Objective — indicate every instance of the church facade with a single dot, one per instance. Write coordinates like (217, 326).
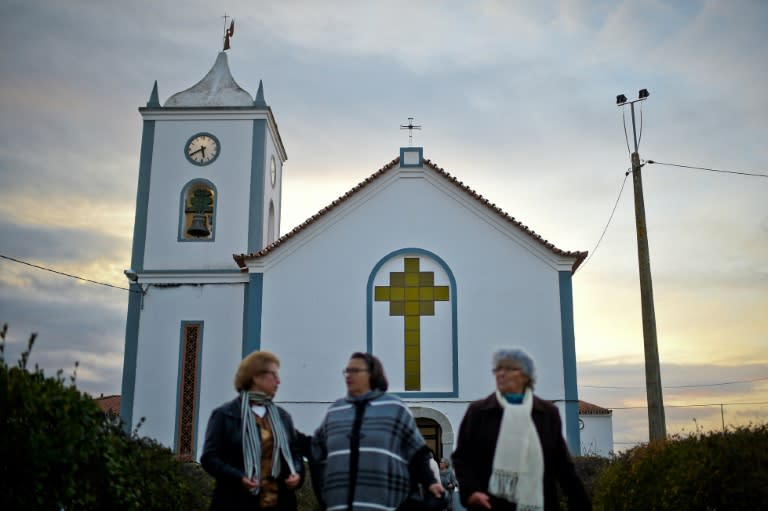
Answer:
(410, 265)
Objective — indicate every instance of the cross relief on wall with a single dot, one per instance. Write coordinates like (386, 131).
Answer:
(412, 294)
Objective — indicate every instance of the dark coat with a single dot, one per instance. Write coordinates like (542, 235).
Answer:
(223, 459)
(473, 458)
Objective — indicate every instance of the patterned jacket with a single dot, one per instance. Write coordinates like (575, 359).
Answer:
(362, 452)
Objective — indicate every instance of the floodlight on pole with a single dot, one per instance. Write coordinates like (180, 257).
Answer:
(656, 423)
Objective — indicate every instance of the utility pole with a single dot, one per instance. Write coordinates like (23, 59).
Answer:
(657, 427)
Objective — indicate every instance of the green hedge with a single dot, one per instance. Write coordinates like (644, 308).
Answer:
(60, 451)
(715, 471)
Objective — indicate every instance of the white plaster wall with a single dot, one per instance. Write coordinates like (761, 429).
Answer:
(219, 307)
(597, 435)
(171, 171)
(314, 310)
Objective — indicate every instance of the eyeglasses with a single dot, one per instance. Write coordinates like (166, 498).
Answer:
(506, 369)
(353, 370)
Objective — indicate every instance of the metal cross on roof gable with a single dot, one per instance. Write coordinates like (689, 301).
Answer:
(410, 127)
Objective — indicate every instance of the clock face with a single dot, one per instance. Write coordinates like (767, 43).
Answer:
(202, 149)
(273, 171)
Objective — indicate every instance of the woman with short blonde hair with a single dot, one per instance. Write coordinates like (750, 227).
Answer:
(252, 365)
(251, 445)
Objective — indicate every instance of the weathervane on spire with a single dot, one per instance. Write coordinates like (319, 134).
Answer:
(228, 32)
(410, 127)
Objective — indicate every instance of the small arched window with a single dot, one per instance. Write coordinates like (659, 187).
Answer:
(198, 207)
(271, 223)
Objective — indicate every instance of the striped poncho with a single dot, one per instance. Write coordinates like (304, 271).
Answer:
(368, 471)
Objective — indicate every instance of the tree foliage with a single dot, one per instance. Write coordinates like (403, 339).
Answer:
(60, 451)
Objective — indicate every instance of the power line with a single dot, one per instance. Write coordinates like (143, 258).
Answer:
(626, 136)
(693, 405)
(640, 134)
(753, 174)
(609, 220)
(680, 386)
(64, 274)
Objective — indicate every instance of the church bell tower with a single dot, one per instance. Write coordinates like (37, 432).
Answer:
(209, 186)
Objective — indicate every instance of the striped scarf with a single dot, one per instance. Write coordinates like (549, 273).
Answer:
(252, 438)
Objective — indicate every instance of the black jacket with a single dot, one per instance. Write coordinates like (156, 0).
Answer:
(473, 457)
(223, 459)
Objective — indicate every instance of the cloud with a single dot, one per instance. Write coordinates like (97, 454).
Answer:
(74, 322)
(516, 100)
(696, 396)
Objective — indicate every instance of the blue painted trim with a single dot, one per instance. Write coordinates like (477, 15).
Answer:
(569, 364)
(130, 354)
(183, 207)
(256, 203)
(154, 99)
(137, 264)
(252, 314)
(198, 377)
(419, 150)
(142, 196)
(259, 102)
(454, 314)
(204, 134)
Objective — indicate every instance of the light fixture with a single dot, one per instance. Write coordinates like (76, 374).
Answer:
(621, 99)
(643, 93)
(131, 275)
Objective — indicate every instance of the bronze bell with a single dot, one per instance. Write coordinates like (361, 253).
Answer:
(199, 227)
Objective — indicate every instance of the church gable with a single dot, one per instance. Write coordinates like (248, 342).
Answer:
(450, 185)
(414, 266)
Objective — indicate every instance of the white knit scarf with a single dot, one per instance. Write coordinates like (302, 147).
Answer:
(518, 463)
(252, 438)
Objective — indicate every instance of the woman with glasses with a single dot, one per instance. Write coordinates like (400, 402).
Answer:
(368, 446)
(511, 450)
(250, 443)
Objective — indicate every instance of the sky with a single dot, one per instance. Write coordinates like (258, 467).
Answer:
(516, 99)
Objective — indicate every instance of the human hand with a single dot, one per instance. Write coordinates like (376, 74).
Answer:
(249, 484)
(437, 490)
(479, 499)
(292, 481)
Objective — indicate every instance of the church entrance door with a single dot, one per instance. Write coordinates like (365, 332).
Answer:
(433, 435)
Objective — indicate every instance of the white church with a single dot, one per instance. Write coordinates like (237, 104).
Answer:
(411, 265)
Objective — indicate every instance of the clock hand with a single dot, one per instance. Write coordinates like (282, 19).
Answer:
(202, 149)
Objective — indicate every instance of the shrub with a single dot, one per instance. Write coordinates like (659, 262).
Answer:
(588, 469)
(719, 470)
(59, 450)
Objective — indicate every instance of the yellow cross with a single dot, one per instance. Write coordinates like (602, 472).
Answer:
(412, 294)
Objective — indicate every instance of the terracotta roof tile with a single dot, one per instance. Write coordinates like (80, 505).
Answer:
(590, 409)
(428, 164)
(109, 404)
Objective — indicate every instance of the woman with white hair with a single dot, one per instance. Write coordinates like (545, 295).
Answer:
(511, 450)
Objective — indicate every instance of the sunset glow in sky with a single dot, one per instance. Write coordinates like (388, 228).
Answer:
(516, 99)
